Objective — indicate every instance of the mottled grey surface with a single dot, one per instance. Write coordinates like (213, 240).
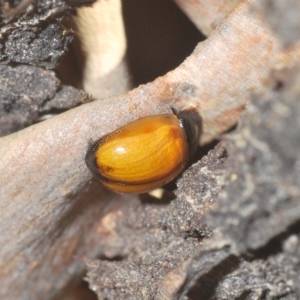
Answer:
(150, 237)
(31, 32)
(27, 91)
(257, 216)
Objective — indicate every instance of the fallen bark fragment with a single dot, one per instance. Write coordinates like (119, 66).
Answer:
(195, 197)
(31, 32)
(24, 89)
(257, 216)
(145, 239)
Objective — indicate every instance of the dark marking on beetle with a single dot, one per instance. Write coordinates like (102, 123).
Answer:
(150, 129)
(174, 133)
(106, 169)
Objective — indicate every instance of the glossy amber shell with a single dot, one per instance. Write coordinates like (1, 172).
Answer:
(140, 156)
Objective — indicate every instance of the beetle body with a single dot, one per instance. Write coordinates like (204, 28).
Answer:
(141, 155)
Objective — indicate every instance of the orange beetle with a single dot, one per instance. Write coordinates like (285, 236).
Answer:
(146, 153)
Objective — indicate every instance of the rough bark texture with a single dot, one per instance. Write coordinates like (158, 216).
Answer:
(257, 213)
(31, 32)
(233, 230)
(153, 238)
(27, 91)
